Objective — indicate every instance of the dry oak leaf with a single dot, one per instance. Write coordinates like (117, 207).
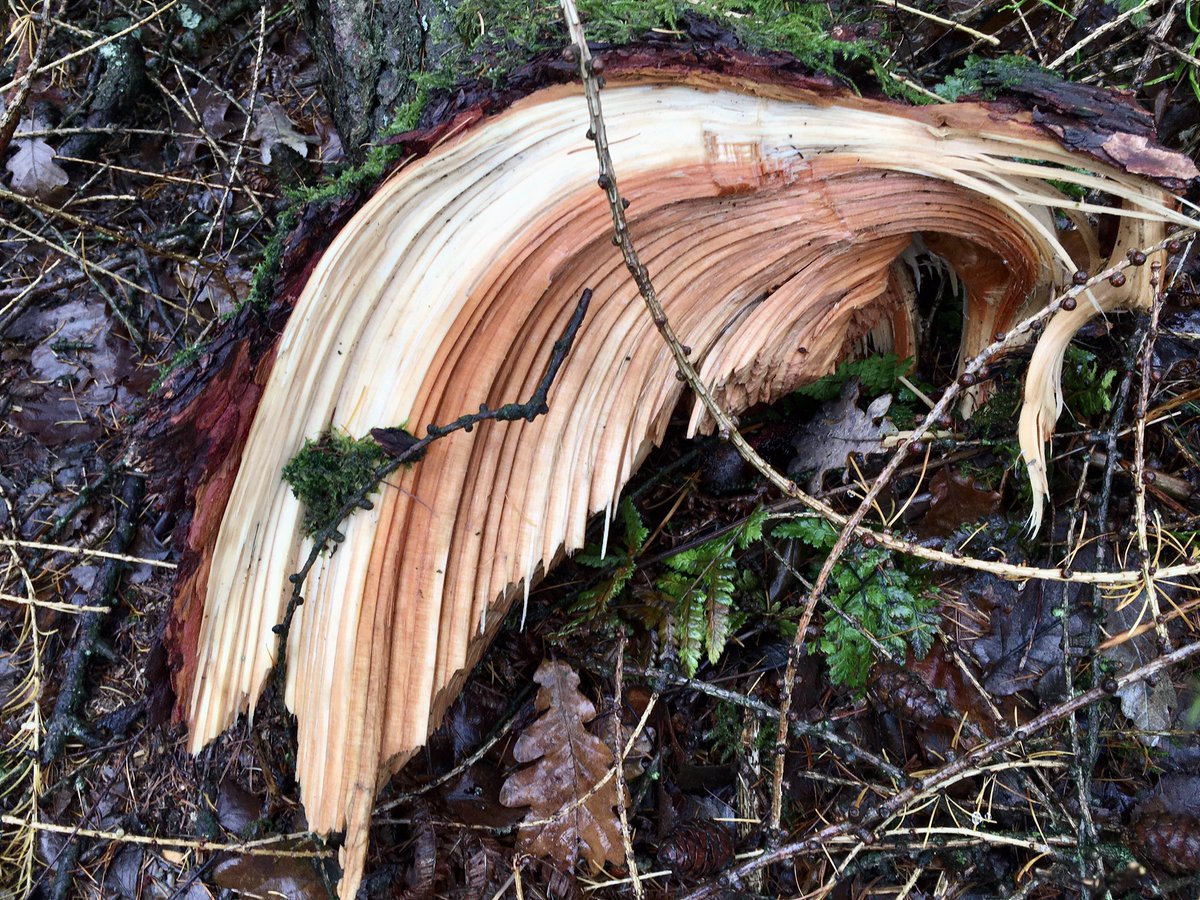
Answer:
(566, 817)
(273, 127)
(838, 430)
(34, 171)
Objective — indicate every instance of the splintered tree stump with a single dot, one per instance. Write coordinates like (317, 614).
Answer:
(776, 213)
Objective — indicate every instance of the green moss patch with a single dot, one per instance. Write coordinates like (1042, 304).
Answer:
(329, 472)
(490, 38)
(987, 78)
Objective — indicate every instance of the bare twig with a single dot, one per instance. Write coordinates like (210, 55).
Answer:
(23, 779)
(86, 552)
(234, 167)
(65, 723)
(1181, 55)
(949, 23)
(1103, 29)
(822, 731)
(619, 767)
(86, 226)
(267, 846)
(1140, 474)
(95, 45)
(462, 767)
(1161, 30)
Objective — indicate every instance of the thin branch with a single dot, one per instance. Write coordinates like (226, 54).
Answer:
(234, 168)
(263, 847)
(1140, 475)
(949, 23)
(1161, 30)
(86, 552)
(822, 732)
(458, 770)
(86, 225)
(639, 891)
(1092, 35)
(65, 723)
(107, 39)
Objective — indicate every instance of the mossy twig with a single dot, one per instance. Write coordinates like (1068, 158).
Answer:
(65, 721)
(535, 406)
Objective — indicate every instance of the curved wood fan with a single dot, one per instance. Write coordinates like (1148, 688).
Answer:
(776, 219)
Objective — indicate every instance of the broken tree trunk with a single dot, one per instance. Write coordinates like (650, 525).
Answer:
(775, 213)
(366, 50)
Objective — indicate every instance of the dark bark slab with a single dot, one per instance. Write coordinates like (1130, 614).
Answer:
(366, 50)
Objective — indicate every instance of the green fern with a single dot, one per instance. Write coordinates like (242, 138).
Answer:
(592, 604)
(876, 375)
(702, 583)
(882, 598)
(1087, 389)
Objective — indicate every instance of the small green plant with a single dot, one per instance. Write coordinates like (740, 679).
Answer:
(876, 375)
(328, 472)
(986, 78)
(880, 597)
(593, 603)
(490, 38)
(702, 584)
(727, 736)
(996, 419)
(1087, 386)
(1193, 23)
(1138, 19)
(181, 360)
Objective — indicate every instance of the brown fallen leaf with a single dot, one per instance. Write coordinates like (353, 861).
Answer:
(567, 815)
(273, 127)
(956, 500)
(838, 430)
(265, 876)
(34, 171)
(213, 107)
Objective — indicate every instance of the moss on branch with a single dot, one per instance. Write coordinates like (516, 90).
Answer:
(327, 472)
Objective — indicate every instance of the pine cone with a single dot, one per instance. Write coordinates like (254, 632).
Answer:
(1171, 840)
(697, 847)
(907, 696)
